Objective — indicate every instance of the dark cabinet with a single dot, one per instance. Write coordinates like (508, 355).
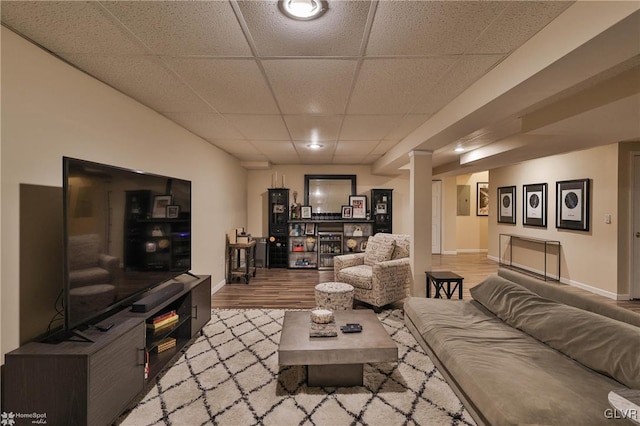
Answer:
(91, 383)
(382, 210)
(278, 227)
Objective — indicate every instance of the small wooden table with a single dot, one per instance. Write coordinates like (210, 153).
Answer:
(626, 402)
(439, 279)
(235, 268)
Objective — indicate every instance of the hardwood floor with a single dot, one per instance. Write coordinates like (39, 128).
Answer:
(294, 289)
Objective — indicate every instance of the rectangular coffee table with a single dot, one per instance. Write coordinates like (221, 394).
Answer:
(335, 361)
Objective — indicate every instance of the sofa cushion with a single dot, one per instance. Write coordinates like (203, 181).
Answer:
(603, 344)
(379, 249)
(510, 377)
(358, 276)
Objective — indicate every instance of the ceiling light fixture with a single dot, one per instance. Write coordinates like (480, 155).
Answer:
(303, 10)
(459, 149)
(314, 145)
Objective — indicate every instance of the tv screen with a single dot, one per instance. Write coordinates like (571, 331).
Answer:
(125, 232)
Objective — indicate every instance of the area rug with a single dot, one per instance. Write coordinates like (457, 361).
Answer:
(230, 376)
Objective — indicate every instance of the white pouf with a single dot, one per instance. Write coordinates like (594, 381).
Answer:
(334, 296)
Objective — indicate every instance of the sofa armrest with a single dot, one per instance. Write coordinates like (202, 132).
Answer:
(110, 263)
(347, 260)
(393, 272)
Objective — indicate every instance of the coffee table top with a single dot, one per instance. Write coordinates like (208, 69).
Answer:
(373, 344)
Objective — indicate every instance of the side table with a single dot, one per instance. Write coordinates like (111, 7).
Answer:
(235, 268)
(439, 279)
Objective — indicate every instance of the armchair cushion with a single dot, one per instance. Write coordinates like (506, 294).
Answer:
(358, 276)
(379, 249)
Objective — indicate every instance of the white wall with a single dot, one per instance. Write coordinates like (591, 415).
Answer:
(50, 110)
(261, 180)
(589, 259)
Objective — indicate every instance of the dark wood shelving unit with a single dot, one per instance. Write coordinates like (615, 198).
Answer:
(91, 383)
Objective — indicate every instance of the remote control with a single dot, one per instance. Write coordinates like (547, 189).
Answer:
(105, 327)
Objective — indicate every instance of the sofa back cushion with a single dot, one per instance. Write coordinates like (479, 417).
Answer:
(379, 249)
(601, 343)
(559, 294)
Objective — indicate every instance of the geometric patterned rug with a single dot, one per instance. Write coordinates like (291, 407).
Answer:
(230, 376)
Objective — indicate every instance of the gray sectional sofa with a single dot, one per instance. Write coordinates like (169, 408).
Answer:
(528, 352)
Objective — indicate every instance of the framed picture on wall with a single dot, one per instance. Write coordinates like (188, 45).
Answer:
(482, 202)
(160, 203)
(534, 205)
(572, 204)
(507, 204)
(358, 205)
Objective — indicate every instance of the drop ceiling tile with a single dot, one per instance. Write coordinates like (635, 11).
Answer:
(183, 27)
(361, 148)
(143, 78)
(520, 21)
(69, 27)
(368, 127)
(256, 127)
(285, 159)
(339, 32)
(429, 27)
(463, 74)
(274, 148)
(370, 159)
(251, 157)
(317, 159)
(349, 159)
(314, 127)
(237, 147)
(209, 126)
(229, 85)
(393, 86)
(311, 86)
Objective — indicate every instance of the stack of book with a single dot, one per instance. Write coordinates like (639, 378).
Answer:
(166, 343)
(163, 322)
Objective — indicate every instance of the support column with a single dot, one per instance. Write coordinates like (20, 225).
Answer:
(420, 218)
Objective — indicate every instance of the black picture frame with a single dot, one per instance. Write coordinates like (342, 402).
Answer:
(310, 229)
(534, 205)
(160, 203)
(358, 205)
(305, 212)
(173, 211)
(506, 212)
(346, 212)
(573, 204)
(482, 199)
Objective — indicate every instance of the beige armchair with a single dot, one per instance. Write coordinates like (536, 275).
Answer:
(87, 265)
(382, 274)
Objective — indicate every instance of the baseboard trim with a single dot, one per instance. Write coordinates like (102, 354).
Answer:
(218, 286)
(450, 252)
(472, 251)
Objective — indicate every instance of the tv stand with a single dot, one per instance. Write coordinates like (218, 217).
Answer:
(105, 375)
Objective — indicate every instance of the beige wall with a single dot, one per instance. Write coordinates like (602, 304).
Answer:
(471, 231)
(625, 215)
(259, 181)
(589, 259)
(50, 110)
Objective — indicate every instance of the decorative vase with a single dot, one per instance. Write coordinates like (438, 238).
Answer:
(311, 246)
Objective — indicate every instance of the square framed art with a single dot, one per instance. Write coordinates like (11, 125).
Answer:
(358, 205)
(572, 204)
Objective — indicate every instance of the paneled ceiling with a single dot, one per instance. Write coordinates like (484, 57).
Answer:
(367, 80)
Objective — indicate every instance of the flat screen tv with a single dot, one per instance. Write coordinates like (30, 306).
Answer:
(125, 232)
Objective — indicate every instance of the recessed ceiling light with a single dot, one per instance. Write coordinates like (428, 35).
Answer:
(314, 145)
(459, 149)
(303, 10)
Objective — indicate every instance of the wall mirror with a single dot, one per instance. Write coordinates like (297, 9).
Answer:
(328, 193)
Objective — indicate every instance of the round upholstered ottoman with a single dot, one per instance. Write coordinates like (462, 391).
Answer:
(334, 296)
